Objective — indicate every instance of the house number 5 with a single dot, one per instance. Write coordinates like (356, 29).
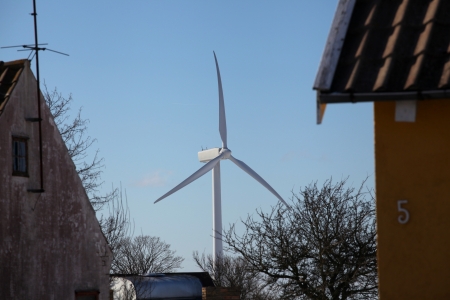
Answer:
(403, 218)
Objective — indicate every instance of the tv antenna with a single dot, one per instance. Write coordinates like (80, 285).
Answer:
(34, 48)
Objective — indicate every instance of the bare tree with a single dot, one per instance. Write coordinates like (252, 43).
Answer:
(235, 272)
(145, 254)
(117, 224)
(322, 248)
(133, 256)
(78, 143)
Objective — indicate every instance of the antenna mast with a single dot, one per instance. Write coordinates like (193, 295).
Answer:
(41, 190)
(36, 50)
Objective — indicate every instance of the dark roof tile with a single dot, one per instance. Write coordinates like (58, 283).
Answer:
(394, 46)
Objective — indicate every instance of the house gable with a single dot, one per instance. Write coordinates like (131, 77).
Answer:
(52, 244)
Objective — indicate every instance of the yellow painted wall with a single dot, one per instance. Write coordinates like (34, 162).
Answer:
(412, 162)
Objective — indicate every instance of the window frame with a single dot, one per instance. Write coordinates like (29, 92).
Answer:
(20, 139)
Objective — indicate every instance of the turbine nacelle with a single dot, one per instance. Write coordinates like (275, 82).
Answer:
(208, 155)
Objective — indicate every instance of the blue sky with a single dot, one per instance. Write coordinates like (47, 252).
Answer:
(144, 73)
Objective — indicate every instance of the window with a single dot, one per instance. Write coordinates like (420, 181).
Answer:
(86, 295)
(20, 156)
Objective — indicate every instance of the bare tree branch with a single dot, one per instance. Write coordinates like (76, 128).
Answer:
(78, 143)
(117, 225)
(235, 272)
(145, 254)
(136, 255)
(324, 248)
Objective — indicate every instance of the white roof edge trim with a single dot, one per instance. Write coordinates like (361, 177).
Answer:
(334, 44)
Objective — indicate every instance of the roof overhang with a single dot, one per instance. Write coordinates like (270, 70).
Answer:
(332, 51)
(382, 50)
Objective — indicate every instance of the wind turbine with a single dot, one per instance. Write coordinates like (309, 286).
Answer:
(212, 158)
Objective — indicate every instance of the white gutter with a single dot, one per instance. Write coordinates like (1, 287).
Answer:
(372, 97)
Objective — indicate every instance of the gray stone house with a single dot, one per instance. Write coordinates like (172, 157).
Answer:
(51, 245)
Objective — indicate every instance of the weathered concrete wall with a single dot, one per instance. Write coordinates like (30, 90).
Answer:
(51, 243)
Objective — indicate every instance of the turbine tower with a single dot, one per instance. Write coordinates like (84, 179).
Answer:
(212, 158)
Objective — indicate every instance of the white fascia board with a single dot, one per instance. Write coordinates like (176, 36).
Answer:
(334, 44)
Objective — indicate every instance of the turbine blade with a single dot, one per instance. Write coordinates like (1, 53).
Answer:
(199, 173)
(222, 118)
(258, 178)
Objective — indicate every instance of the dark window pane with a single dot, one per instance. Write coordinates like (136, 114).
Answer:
(19, 156)
(22, 165)
(22, 149)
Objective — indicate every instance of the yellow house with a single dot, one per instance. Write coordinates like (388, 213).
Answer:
(397, 55)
